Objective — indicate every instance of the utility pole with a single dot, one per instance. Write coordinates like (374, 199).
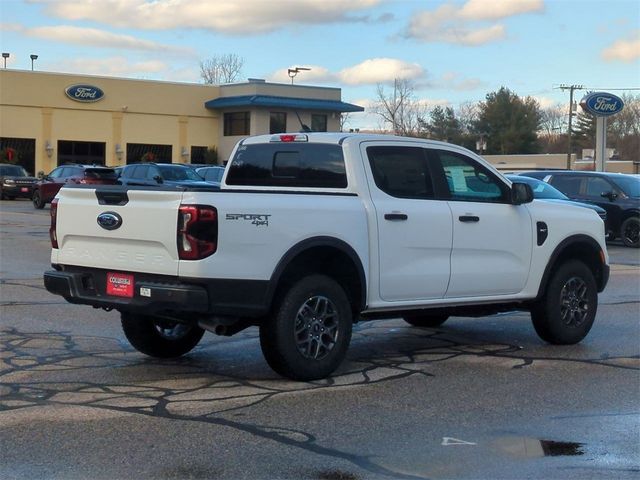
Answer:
(571, 88)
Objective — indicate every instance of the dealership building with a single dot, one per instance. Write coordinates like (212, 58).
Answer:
(49, 119)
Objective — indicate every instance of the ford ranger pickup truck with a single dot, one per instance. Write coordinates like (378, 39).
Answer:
(311, 232)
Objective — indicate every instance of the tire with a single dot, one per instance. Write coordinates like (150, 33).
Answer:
(37, 201)
(630, 232)
(565, 314)
(160, 338)
(425, 319)
(309, 332)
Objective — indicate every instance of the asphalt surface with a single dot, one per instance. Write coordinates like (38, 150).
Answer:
(476, 398)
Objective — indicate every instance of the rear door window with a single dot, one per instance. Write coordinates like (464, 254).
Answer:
(400, 171)
(567, 184)
(288, 165)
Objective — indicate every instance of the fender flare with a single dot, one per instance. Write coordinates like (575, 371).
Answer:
(561, 248)
(313, 242)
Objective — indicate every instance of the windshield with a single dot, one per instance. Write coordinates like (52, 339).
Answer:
(174, 172)
(13, 170)
(540, 189)
(628, 184)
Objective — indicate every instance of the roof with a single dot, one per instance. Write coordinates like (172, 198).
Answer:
(282, 102)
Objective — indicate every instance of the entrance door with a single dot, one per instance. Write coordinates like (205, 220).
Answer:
(414, 230)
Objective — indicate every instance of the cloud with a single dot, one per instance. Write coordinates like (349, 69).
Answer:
(546, 102)
(453, 81)
(627, 50)
(368, 72)
(113, 67)
(93, 37)
(245, 17)
(493, 10)
(380, 70)
(458, 25)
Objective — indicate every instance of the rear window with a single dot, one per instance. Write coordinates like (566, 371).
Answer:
(288, 165)
(100, 173)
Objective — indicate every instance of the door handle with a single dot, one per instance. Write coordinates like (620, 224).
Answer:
(395, 216)
(468, 218)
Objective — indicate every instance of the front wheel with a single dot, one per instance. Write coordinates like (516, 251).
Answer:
(565, 314)
(37, 200)
(158, 337)
(309, 332)
(630, 232)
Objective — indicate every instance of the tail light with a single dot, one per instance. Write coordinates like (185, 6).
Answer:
(197, 231)
(52, 229)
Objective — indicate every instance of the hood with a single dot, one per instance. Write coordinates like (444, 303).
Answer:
(595, 208)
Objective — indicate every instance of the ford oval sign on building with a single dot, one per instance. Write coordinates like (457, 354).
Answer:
(84, 93)
(602, 104)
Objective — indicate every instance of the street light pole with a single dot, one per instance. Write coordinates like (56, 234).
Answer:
(292, 72)
(5, 55)
(33, 57)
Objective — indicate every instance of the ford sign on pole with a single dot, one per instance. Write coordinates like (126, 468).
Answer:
(84, 93)
(601, 105)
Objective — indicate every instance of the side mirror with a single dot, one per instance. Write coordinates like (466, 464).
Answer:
(521, 193)
(158, 179)
(41, 175)
(610, 195)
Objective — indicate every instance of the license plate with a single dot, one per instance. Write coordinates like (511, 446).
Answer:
(24, 189)
(120, 284)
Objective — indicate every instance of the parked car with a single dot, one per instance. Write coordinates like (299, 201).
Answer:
(617, 193)
(154, 174)
(544, 191)
(15, 182)
(211, 174)
(47, 187)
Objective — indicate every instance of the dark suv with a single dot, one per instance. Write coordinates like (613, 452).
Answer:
(154, 174)
(617, 193)
(47, 187)
(15, 182)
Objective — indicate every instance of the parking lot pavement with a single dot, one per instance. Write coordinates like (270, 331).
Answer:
(476, 398)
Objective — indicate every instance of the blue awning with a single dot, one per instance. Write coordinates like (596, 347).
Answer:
(282, 102)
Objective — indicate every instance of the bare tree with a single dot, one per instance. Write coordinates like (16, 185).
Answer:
(344, 120)
(468, 113)
(219, 69)
(400, 110)
(553, 120)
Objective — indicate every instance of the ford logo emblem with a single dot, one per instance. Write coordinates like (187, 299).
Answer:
(602, 104)
(84, 93)
(109, 220)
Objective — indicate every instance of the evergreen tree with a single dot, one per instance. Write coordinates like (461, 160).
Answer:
(509, 122)
(444, 125)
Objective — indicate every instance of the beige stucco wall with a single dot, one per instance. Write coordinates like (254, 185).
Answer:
(34, 105)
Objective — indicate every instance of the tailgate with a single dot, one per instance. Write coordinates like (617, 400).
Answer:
(144, 242)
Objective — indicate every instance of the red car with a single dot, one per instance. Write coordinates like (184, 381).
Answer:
(47, 188)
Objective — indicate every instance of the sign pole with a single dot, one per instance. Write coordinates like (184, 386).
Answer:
(601, 144)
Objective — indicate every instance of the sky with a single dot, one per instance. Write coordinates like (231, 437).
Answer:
(452, 51)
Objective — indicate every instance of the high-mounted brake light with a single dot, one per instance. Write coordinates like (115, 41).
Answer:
(290, 137)
(52, 228)
(197, 231)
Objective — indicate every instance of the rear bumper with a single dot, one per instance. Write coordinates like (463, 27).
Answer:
(83, 288)
(156, 294)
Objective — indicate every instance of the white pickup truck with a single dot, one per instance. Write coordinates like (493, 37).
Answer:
(312, 232)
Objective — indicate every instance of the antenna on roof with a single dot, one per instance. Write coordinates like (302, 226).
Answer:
(304, 128)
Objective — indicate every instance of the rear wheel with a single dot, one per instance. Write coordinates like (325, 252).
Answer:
(630, 232)
(308, 335)
(158, 337)
(425, 319)
(566, 313)
(37, 200)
